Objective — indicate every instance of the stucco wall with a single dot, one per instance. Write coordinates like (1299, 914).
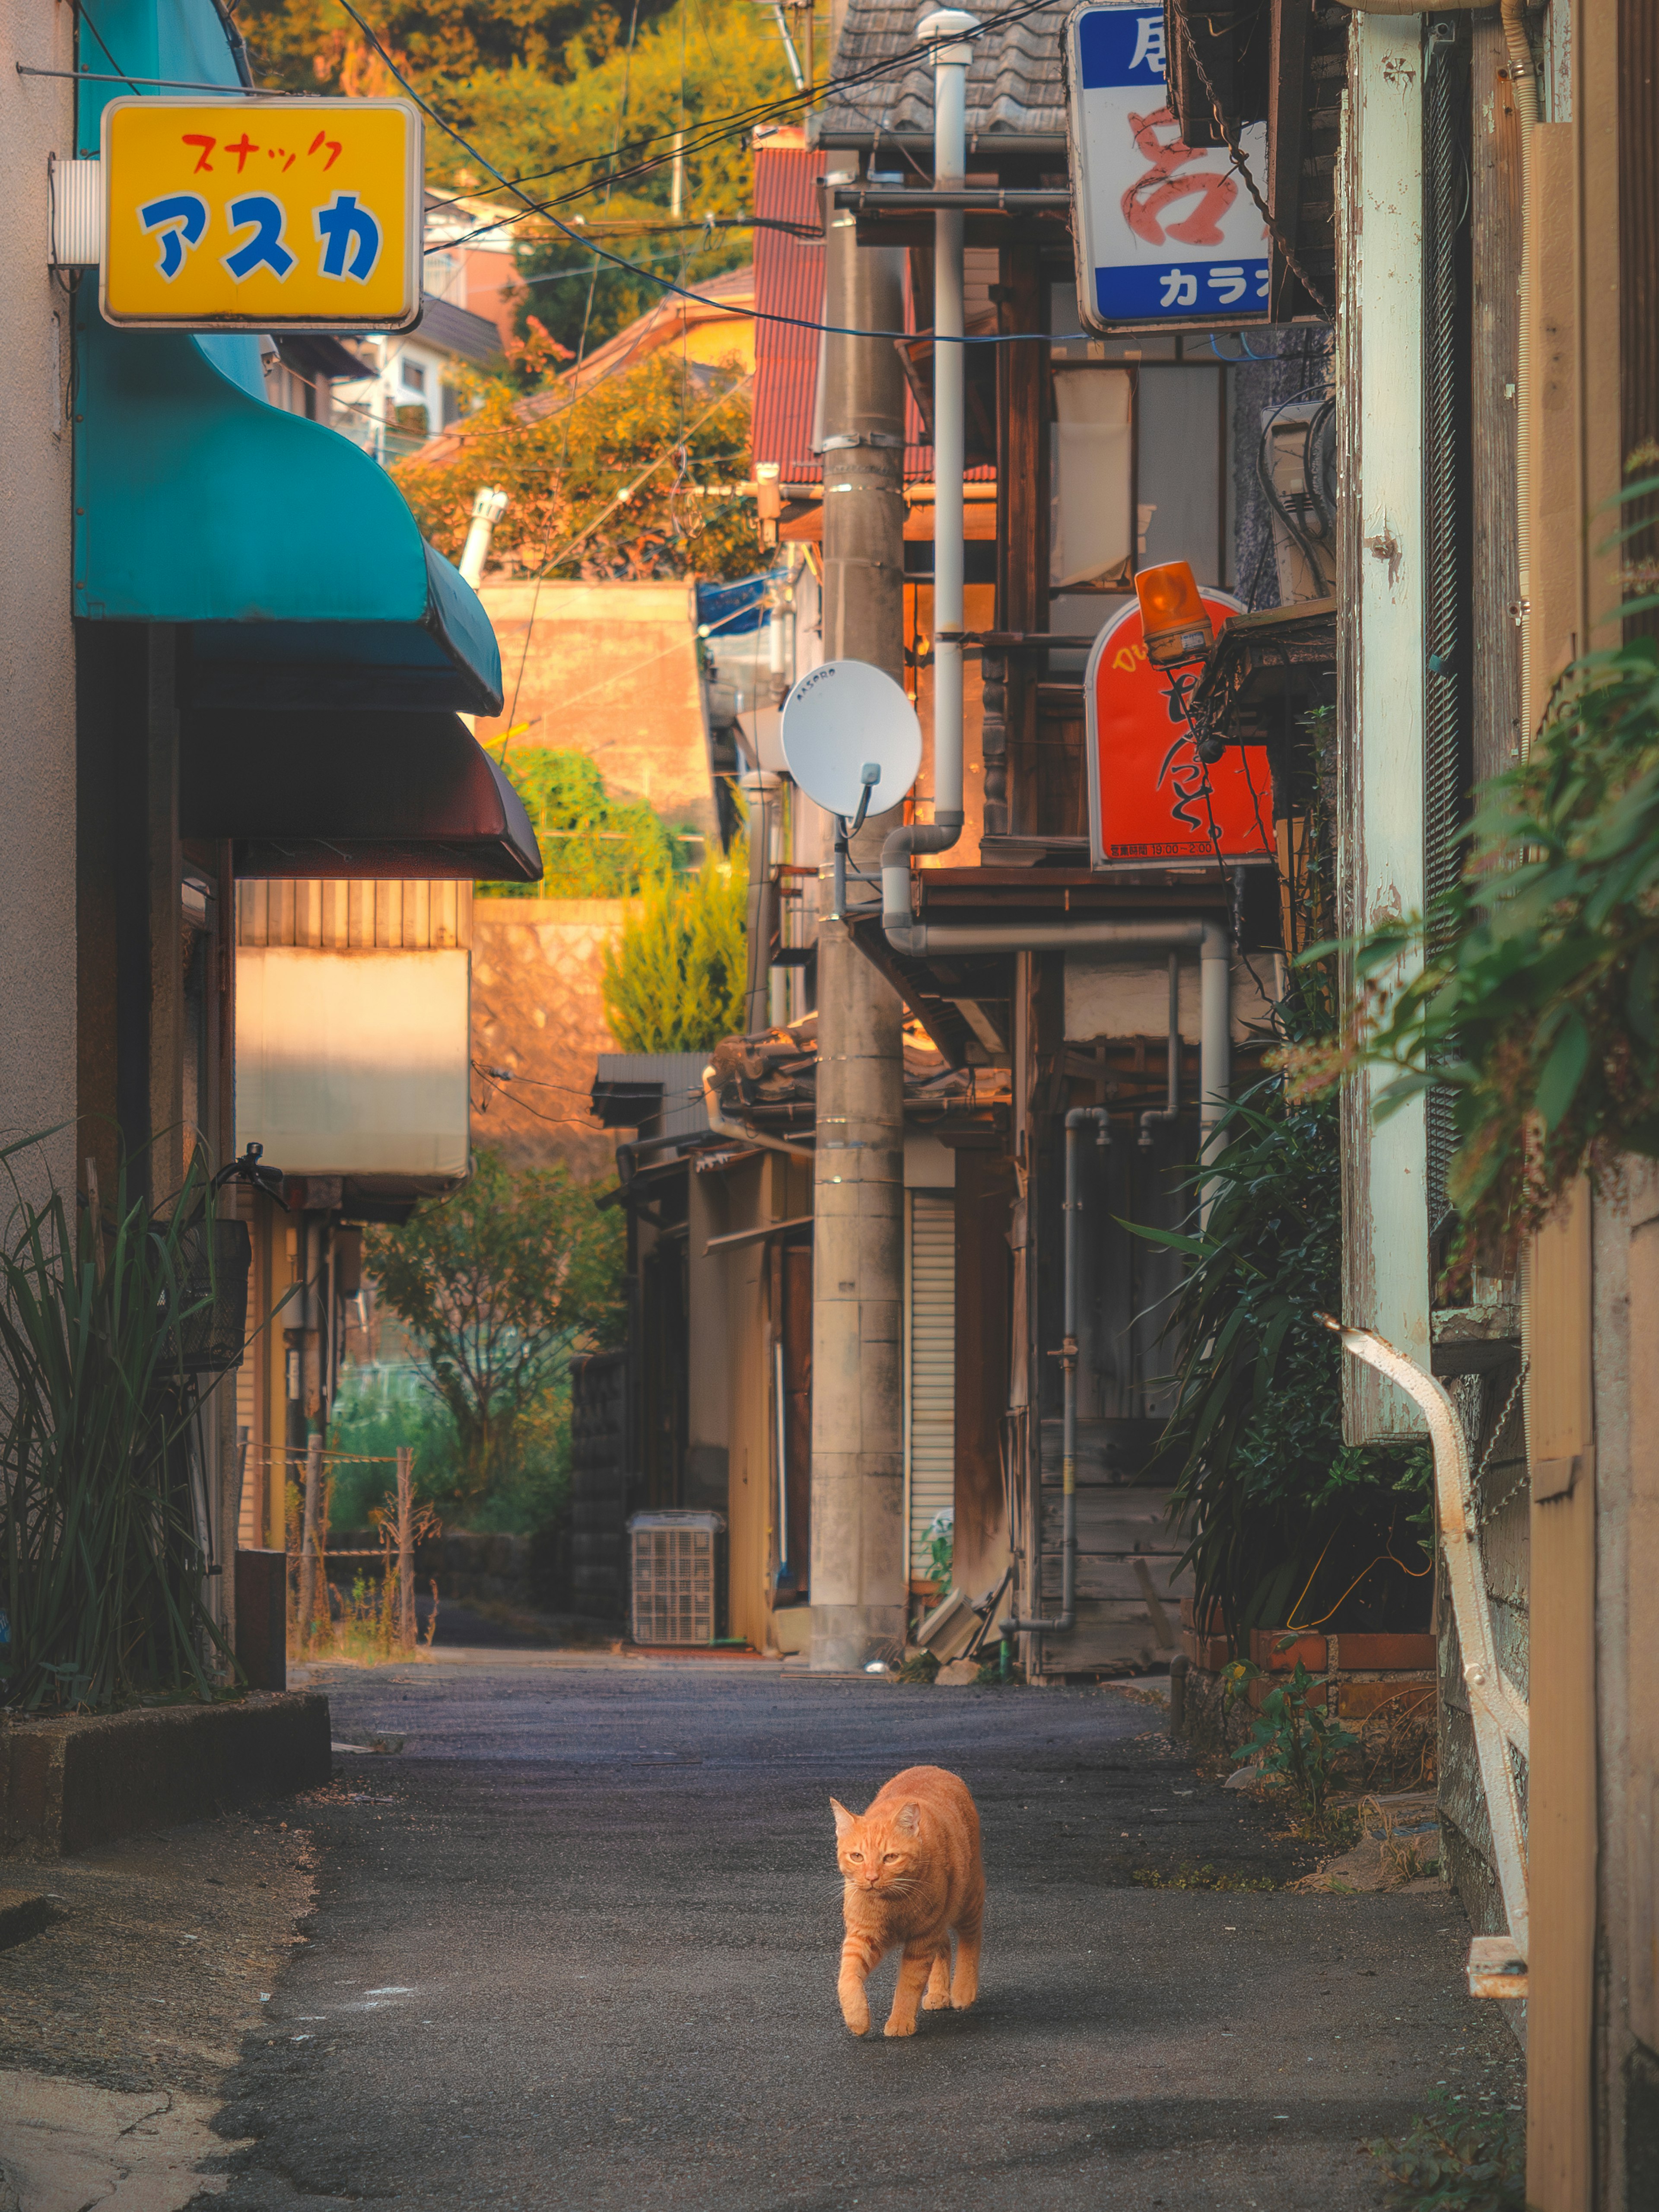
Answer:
(611, 671)
(537, 1010)
(37, 669)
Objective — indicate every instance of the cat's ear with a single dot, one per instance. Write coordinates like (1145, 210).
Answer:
(843, 1819)
(909, 1817)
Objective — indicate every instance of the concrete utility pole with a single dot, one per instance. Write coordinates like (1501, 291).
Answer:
(860, 1567)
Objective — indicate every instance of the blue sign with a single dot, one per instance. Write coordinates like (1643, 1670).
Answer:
(1167, 231)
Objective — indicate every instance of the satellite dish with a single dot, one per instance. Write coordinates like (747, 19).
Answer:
(842, 721)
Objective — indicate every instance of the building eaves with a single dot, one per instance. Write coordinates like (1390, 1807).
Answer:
(459, 331)
(1014, 83)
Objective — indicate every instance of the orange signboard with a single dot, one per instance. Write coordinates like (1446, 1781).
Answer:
(1151, 798)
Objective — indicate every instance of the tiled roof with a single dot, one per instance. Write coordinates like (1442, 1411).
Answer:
(1013, 79)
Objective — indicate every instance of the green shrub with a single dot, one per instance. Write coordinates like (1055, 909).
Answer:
(1288, 1523)
(1453, 2159)
(593, 847)
(1291, 1736)
(102, 1508)
(1532, 995)
(678, 980)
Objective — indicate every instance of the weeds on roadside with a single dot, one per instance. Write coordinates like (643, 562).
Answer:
(1454, 2160)
(1189, 1874)
(1291, 1740)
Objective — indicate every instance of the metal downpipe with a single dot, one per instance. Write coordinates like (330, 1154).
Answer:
(1066, 1619)
(918, 938)
(950, 167)
(1170, 1109)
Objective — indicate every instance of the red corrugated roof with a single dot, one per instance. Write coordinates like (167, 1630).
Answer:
(789, 281)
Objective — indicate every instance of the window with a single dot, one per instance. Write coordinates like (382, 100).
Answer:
(414, 376)
(1141, 454)
(1092, 527)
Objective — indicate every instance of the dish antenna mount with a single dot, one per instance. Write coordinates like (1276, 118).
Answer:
(851, 742)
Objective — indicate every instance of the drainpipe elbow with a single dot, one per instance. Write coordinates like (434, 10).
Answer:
(903, 932)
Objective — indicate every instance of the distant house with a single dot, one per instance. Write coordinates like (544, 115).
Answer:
(409, 394)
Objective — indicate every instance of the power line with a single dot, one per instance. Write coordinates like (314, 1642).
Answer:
(720, 127)
(621, 261)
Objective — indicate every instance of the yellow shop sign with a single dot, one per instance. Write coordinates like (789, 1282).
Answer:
(262, 215)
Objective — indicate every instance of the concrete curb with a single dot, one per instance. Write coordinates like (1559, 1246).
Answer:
(69, 1784)
(23, 1913)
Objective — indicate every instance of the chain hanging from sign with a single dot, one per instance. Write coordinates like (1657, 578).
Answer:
(254, 215)
(1165, 231)
(1151, 798)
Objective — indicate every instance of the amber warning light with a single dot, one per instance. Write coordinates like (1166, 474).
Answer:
(1173, 616)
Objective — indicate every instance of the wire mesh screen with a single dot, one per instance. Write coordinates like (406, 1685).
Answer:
(1446, 772)
(674, 1562)
(211, 1297)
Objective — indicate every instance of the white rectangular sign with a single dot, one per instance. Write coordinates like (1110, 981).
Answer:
(1165, 232)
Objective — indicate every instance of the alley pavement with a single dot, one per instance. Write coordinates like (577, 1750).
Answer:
(573, 1943)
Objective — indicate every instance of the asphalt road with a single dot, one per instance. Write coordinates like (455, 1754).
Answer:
(575, 1944)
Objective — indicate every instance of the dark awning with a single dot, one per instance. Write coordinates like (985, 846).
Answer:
(367, 795)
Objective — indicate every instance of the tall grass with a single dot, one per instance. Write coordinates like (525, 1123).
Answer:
(105, 1518)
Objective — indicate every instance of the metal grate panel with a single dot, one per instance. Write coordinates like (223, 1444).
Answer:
(674, 1562)
(932, 1377)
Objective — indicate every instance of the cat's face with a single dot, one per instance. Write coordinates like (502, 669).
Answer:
(877, 1855)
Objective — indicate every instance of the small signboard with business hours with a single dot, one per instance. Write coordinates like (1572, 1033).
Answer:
(1166, 232)
(262, 215)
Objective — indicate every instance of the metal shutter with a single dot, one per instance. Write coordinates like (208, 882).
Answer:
(931, 1289)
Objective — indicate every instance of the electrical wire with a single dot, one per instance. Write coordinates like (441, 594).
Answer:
(621, 261)
(717, 129)
(571, 545)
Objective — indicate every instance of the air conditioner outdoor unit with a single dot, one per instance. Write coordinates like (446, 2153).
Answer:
(675, 1557)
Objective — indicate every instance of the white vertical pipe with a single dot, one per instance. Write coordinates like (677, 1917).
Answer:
(489, 506)
(950, 167)
(1380, 851)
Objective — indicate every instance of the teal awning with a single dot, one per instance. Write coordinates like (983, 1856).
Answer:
(288, 555)
(288, 558)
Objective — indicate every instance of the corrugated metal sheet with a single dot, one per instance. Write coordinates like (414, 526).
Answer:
(1013, 79)
(930, 1288)
(677, 1109)
(353, 915)
(788, 281)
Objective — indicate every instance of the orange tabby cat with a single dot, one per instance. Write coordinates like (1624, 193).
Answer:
(913, 1877)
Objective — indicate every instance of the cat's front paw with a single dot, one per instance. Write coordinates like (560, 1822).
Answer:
(857, 2018)
(900, 2027)
(940, 2002)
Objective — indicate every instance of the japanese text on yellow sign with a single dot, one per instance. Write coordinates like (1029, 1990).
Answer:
(262, 215)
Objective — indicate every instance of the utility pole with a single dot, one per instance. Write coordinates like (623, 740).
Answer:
(860, 1565)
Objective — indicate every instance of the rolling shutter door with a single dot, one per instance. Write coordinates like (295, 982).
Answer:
(931, 1285)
